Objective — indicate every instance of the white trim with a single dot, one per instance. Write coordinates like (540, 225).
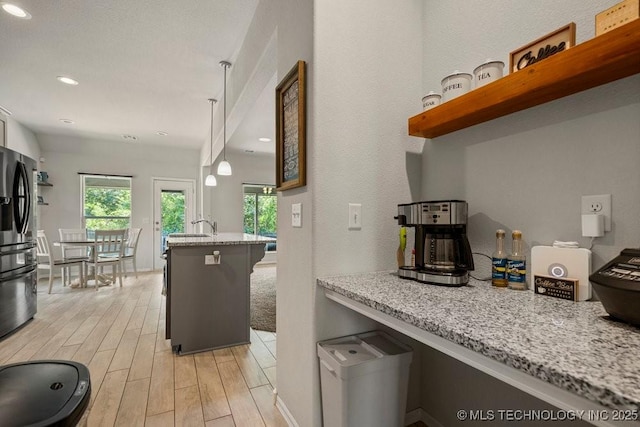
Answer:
(291, 422)
(545, 391)
(429, 420)
(413, 416)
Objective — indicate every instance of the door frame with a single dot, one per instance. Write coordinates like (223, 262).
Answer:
(179, 184)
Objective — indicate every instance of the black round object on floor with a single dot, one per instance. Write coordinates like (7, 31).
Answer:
(43, 393)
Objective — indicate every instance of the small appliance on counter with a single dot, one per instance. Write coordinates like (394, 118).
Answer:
(562, 263)
(442, 252)
(617, 284)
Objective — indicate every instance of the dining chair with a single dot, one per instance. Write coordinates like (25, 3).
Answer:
(47, 262)
(130, 249)
(70, 252)
(108, 250)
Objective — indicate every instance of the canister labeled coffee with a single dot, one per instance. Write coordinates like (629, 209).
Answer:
(455, 84)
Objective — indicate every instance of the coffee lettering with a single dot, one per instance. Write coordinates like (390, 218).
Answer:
(544, 52)
(455, 86)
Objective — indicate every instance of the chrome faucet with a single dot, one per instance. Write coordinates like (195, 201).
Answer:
(214, 226)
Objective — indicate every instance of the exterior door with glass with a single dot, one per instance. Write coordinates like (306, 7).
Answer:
(173, 211)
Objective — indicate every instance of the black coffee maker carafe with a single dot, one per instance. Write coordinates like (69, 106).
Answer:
(442, 252)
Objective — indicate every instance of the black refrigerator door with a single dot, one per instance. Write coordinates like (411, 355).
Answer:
(18, 300)
(17, 223)
(21, 198)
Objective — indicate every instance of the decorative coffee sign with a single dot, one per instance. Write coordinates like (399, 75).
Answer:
(558, 287)
(557, 41)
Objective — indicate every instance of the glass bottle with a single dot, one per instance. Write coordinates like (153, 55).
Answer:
(517, 264)
(499, 262)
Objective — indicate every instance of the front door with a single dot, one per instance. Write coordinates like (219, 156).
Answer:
(173, 211)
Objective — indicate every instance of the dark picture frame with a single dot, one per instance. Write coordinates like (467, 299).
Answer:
(291, 129)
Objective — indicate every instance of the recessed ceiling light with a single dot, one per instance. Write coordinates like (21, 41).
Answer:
(67, 121)
(67, 80)
(16, 11)
(264, 139)
(248, 151)
(130, 137)
(5, 111)
(161, 133)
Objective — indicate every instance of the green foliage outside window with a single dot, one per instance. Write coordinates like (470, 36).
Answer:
(107, 208)
(265, 207)
(172, 212)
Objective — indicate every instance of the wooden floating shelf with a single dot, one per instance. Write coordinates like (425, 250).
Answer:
(603, 59)
(45, 184)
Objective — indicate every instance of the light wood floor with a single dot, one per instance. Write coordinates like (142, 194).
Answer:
(136, 380)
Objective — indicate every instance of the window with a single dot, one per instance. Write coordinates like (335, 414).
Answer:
(106, 202)
(261, 211)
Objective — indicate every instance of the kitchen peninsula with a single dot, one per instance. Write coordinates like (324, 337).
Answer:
(569, 354)
(208, 286)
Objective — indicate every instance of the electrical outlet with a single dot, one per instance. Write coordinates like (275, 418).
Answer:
(355, 216)
(598, 204)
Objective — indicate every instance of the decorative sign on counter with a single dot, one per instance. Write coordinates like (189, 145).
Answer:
(291, 129)
(617, 15)
(557, 41)
(558, 287)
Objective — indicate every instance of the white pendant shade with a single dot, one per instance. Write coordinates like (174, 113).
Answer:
(224, 168)
(211, 181)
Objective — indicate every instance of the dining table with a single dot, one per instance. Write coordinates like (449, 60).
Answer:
(90, 244)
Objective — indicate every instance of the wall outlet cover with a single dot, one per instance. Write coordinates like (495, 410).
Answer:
(355, 216)
(296, 215)
(598, 204)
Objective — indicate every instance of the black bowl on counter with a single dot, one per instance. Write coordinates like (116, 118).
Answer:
(617, 285)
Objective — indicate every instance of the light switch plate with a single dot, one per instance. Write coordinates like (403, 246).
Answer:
(355, 216)
(296, 215)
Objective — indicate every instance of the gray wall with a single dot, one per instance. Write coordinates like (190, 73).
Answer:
(527, 170)
(66, 156)
(226, 200)
(22, 140)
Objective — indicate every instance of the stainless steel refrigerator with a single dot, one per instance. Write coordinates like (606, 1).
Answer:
(18, 262)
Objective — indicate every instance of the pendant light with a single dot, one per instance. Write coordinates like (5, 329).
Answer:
(224, 168)
(211, 180)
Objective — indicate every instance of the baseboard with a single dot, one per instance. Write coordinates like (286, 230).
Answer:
(429, 420)
(410, 417)
(291, 422)
(413, 416)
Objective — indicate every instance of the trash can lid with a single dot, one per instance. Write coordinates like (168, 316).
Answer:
(351, 353)
(41, 392)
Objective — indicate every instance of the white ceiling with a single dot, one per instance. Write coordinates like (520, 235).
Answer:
(143, 66)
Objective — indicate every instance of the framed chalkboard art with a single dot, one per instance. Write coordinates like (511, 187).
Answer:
(291, 130)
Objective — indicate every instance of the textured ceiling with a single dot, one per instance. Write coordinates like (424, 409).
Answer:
(143, 66)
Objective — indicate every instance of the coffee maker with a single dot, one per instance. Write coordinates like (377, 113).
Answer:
(442, 252)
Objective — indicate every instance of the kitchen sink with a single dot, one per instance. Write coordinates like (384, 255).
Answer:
(189, 235)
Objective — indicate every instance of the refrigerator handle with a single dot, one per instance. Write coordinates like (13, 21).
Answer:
(22, 199)
(19, 276)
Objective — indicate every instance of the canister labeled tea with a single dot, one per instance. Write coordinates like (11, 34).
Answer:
(488, 72)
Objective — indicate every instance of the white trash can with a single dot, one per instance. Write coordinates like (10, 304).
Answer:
(364, 380)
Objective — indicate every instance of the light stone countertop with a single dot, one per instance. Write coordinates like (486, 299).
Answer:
(196, 239)
(572, 345)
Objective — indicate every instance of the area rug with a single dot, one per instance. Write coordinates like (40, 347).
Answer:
(263, 298)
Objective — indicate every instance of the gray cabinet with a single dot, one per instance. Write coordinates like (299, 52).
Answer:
(208, 305)
(3, 130)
